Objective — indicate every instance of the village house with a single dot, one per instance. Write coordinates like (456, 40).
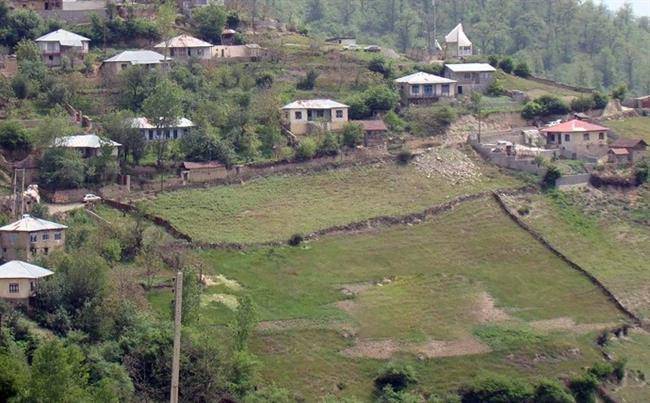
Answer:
(424, 87)
(110, 68)
(30, 237)
(59, 44)
(88, 145)
(577, 138)
(304, 117)
(150, 132)
(185, 47)
(457, 44)
(374, 132)
(251, 51)
(342, 40)
(470, 77)
(19, 280)
(36, 5)
(627, 151)
(203, 171)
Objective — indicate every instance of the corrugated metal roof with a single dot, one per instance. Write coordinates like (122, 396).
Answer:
(619, 151)
(29, 224)
(457, 35)
(315, 104)
(65, 38)
(143, 123)
(424, 78)
(83, 141)
(184, 41)
(138, 57)
(470, 67)
(574, 125)
(18, 269)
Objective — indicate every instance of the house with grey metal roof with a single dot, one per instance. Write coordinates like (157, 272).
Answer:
(307, 116)
(457, 44)
(111, 67)
(470, 76)
(19, 280)
(30, 237)
(88, 145)
(185, 47)
(61, 44)
(151, 132)
(423, 87)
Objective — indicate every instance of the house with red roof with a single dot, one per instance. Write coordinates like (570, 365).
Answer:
(577, 138)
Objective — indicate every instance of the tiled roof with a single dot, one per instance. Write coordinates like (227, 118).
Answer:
(574, 125)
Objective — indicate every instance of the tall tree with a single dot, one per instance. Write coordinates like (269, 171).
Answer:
(163, 108)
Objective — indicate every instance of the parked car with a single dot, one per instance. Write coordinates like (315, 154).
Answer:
(352, 47)
(90, 198)
(372, 48)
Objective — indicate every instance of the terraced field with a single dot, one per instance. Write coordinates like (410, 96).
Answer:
(275, 208)
(466, 282)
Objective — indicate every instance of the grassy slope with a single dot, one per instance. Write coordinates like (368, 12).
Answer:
(277, 207)
(631, 127)
(534, 89)
(635, 350)
(438, 269)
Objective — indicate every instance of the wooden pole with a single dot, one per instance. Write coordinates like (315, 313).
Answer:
(22, 196)
(178, 302)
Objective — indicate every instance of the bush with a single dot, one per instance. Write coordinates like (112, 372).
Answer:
(497, 388)
(378, 65)
(306, 149)
(531, 110)
(62, 168)
(584, 388)
(619, 92)
(330, 145)
(397, 377)
(550, 177)
(394, 122)
(493, 60)
(13, 137)
(582, 104)
(551, 392)
(552, 105)
(309, 81)
(522, 70)
(496, 89)
(209, 22)
(600, 100)
(430, 121)
(296, 239)
(352, 135)
(404, 157)
(619, 369)
(506, 65)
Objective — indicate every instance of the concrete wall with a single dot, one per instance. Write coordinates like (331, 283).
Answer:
(18, 245)
(572, 180)
(509, 161)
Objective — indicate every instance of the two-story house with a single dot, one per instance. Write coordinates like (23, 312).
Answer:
(30, 237)
(19, 280)
(185, 47)
(470, 76)
(151, 132)
(423, 87)
(577, 138)
(457, 44)
(304, 117)
(61, 43)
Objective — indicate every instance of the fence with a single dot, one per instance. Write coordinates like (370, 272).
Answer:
(561, 85)
(509, 161)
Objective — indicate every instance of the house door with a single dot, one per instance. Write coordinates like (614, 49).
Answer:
(460, 90)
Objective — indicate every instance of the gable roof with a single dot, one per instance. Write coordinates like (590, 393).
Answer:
(143, 123)
(457, 35)
(138, 57)
(65, 38)
(83, 141)
(372, 125)
(20, 269)
(423, 78)
(619, 151)
(29, 223)
(574, 125)
(628, 143)
(315, 104)
(184, 41)
(470, 67)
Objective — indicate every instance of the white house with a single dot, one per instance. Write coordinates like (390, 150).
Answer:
(61, 43)
(577, 138)
(315, 114)
(470, 76)
(184, 47)
(457, 44)
(150, 132)
(424, 87)
(18, 280)
(88, 145)
(148, 58)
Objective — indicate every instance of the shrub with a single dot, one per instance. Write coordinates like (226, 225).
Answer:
(531, 110)
(330, 145)
(552, 105)
(309, 81)
(582, 104)
(584, 388)
(641, 172)
(394, 122)
(493, 60)
(296, 239)
(62, 168)
(619, 92)
(352, 135)
(397, 377)
(378, 65)
(550, 177)
(522, 70)
(209, 22)
(430, 121)
(306, 149)
(381, 98)
(600, 100)
(13, 137)
(551, 392)
(619, 369)
(506, 65)
(497, 388)
(496, 89)
(404, 157)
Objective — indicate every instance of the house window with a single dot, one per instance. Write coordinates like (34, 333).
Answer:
(468, 76)
(428, 89)
(50, 58)
(601, 136)
(31, 286)
(13, 288)
(585, 137)
(46, 250)
(124, 66)
(171, 52)
(445, 89)
(175, 133)
(46, 237)
(551, 138)
(4, 250)
(298, 115)
(567, 138)
(57, 236)
(415, 89)
(339, 114)
(33, 237)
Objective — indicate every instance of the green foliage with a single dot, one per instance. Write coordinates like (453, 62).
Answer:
(192, 290)
(551, 392)
(404, 157)
(396, 376)
(582, 104)
(496, 89)
(306, 149)
(375, 99)
(352, 135)
(14, 138)
(584, 388)
(58, 373)
(134, 85)
(295, 240)
(531, 110)
(501, 338)
(20, 25)
(118, 127)
(600, 100)
(551, 176)
(62, 168)
(330, 145)
(394, 122)
(163, 107)
(619, 92)
(208, 22)
(522, 70)
(389, 395)
(545, 105)
(506, 64)
(270, 394)
(204, 145)
(493, 61)
(497, 389)
(14, 375)
(309, 81)
(379, 65)
(245, 321)
(431, 120)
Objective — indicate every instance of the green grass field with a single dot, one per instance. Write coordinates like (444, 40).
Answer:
(534, 89)
(635, 349)
(638, 127)
(275, 208)
(466, 282)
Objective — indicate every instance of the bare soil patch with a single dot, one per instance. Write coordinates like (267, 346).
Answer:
(487, 312)
(450, 163)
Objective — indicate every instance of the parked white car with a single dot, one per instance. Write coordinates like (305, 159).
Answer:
(352, 47)
(90, 198)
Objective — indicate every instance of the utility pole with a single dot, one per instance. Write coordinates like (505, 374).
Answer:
(22, 196)
(178, 303)
(13, 205)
